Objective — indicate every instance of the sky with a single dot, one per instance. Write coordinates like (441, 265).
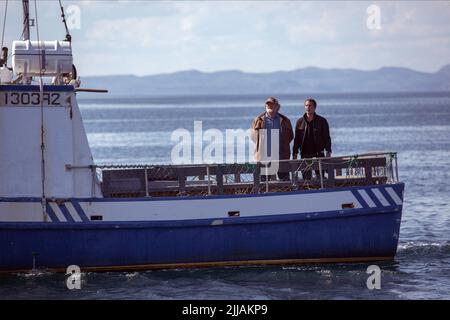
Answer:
(153, 37)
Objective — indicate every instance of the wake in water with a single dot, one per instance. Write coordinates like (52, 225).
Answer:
(426, 251)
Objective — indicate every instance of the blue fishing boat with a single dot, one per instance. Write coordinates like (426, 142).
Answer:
(58, 208)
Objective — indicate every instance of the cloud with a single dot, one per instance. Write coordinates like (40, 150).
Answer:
(325, 29)
(150, 32)
(148, 37)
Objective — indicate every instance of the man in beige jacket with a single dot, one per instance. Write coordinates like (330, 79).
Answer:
(270, 120)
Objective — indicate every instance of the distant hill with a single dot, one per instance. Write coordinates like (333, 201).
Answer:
(305, 80)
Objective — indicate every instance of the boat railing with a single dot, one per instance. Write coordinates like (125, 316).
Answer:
(246, 178)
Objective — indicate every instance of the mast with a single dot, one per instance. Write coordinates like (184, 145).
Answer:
(26, 19)
(26, 28)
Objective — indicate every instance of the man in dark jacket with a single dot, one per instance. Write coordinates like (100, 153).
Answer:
(312, 135)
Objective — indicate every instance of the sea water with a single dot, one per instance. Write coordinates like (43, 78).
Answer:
(130, 130)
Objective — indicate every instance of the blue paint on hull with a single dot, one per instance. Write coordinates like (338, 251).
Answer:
(37, 88)
(349, 233)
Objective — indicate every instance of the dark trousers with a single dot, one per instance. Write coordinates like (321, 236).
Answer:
(283, 176)
(307, 174)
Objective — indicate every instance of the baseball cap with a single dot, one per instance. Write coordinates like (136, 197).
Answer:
(272, 100)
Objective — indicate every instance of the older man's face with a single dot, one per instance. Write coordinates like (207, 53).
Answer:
(272, 108)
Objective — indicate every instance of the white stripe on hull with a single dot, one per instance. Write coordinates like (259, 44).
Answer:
(58, 212)
(380, 197)
(21, 211)
(394, 196)
(367, 199)
(73, 212)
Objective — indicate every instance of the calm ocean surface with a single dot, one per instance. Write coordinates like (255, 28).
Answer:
(417, 126)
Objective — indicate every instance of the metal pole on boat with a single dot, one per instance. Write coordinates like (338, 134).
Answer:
(27, 80)
(320, 174)
(26, 28)
(267, 177)
(209, 180)
(146, 182)
(390, 167)
(396, 166)
(26, 19)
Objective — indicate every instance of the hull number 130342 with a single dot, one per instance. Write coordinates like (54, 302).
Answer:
(30, 99)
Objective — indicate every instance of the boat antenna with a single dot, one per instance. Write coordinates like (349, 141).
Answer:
(4, 24)
(41, 87)
(26, 20)
(26, 28)
(63, 16)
